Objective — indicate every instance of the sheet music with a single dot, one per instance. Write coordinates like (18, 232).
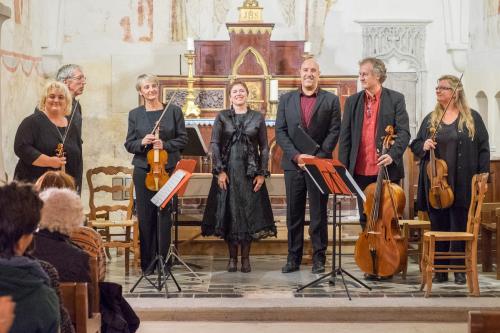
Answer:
(314, 180)
(167, 189)
(353, 183)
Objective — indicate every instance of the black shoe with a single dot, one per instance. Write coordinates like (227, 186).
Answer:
(318, 267)
(290, 267)
(440, 277)
(460, 278)
(232, 265)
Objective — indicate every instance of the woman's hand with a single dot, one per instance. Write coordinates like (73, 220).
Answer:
(157, 144)
(429, 144)
(258, 181)
(148, 139)
(223, 180)
(57, 162)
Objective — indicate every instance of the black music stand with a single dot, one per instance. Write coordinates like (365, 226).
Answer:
(331, 177)
(161, 199)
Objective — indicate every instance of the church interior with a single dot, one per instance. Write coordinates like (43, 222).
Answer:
(196, 48)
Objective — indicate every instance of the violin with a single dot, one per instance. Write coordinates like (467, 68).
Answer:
(380, 249)
(61, 153)
(157, 160)
(440, 193)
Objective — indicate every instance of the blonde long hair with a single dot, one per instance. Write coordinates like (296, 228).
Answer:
(465, 115)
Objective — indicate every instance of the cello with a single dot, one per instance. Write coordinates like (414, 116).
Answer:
(440, 193)
(380, 249)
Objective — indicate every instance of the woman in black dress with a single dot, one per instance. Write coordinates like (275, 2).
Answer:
(462, 141)
(238, 207)
(173, 138)
(39, 134)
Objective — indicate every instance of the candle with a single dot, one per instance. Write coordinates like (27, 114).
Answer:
(273, 91)
(307, 47)
(190, 44)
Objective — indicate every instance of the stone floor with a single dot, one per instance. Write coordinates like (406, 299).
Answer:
(267, 281)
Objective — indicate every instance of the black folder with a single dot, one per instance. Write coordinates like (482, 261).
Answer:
(303, 142)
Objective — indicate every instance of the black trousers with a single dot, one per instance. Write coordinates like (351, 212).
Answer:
(298, 185)
(147, 215)
(363, 182)
(449, 219)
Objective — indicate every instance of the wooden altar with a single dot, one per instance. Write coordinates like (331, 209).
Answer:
(250, 55)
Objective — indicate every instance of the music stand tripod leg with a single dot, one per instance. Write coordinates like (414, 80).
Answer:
(164, 272)
(177, 260)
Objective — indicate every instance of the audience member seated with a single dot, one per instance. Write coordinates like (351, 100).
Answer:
(86, 238)
(22, 278)
(62, 214)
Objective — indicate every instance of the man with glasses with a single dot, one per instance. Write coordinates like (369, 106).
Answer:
(72, 75)
(366, 115)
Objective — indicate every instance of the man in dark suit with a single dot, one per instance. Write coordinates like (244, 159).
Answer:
(317, 112)
(366, 115)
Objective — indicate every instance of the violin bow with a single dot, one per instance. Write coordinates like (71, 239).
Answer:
(164, 111)
(433, 136)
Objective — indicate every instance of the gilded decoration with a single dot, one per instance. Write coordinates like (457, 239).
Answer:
(258, 57)
(207, 99)
(250, 12)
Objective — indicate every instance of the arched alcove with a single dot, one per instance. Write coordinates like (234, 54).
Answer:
(482, 103)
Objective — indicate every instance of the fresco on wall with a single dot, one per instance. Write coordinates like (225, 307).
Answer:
(316, 13)
(138, 26)
(288, 11)
(492, 21)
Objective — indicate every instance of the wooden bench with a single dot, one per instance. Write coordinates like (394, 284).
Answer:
(75, 300)
(484, 321)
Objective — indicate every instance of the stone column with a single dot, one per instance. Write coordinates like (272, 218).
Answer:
(5, 14)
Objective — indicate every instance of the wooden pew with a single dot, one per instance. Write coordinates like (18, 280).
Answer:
(75, 299)
(484, 321)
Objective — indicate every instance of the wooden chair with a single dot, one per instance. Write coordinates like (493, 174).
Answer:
(100, 215)
(470, 236)
(421, 226)
(490, 219)
(75, 300)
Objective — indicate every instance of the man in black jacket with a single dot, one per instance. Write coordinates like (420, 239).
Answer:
(317, 112)
(366, 115)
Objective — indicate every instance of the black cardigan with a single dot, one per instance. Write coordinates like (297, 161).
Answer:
(473, 157)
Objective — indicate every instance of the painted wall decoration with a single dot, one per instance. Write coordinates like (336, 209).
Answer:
(316, 12)
(288, 11)
(138, 26)
(13, 61)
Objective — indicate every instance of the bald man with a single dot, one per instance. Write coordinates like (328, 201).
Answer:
(317, 112)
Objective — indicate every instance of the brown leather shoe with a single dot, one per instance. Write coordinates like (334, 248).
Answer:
(232, 265)
(245, 265)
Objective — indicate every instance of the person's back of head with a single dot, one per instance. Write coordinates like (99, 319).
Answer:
(55, 179)
(37, 306)
(20, 209)
(62, 210)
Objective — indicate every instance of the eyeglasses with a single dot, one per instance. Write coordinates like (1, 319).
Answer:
(438, 88)
(78, 78)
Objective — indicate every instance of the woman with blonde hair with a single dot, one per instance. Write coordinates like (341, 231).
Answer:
(39, 135)
(462, 142)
